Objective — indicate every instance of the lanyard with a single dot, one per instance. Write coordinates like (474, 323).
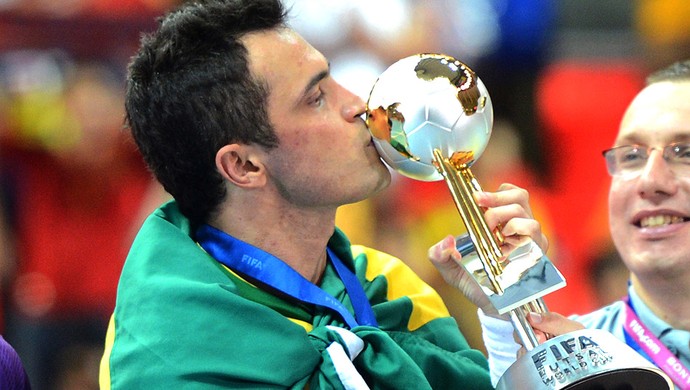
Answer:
(640, 338)
(268, 269)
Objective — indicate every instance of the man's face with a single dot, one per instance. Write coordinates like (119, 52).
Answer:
(325, 156)
(649, 213)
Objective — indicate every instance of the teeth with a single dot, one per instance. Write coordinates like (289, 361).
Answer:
(659, 220)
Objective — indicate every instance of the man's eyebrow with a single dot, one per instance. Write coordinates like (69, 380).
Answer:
(314, 81)
(636, 138)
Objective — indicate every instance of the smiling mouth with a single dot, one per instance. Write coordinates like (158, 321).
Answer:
(660, 220)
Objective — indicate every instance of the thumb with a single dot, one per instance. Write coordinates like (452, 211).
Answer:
(444, 253)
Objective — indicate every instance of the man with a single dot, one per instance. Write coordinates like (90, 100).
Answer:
(243, 280)
(649, 210)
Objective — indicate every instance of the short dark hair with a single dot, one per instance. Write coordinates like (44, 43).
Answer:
(677, 71)
(190, 91)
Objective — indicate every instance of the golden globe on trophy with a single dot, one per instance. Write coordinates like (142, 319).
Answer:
(431, 118)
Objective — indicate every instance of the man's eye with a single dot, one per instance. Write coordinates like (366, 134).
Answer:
(682, 153)
(632, 156)
(317, 99)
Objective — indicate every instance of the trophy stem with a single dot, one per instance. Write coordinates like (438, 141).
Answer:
(485, 243)
(523, 329)
(462, 185)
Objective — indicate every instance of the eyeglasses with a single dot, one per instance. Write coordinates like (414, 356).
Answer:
(629, 160)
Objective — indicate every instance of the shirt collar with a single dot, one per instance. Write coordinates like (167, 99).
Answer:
(678, 341)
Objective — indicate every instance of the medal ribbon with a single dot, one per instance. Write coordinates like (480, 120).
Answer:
(268, 269)
(640, 338)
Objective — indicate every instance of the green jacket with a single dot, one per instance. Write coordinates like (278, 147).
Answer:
(184, 321)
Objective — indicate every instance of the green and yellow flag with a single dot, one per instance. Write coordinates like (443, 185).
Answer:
(184, 321)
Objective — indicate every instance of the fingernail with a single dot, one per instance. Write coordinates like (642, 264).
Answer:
(447, 243)
(535, 317)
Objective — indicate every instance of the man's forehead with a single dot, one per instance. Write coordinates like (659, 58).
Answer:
(285, 62)
(282, 41)
(660, 99)
(276, 49)
(660, 113)
(663, 92)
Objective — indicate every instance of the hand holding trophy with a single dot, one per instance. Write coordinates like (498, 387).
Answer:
(431, 118)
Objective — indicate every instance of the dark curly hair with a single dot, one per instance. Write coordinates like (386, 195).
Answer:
(190, 91)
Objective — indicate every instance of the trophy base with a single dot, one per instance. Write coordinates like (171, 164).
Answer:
(584, 359)
(624, 379)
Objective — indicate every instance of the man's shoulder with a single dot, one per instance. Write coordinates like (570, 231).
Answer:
(165, 260)
(609, 317)
(381, 263)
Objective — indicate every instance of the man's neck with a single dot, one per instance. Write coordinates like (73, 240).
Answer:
(666, 299)
(298, 238)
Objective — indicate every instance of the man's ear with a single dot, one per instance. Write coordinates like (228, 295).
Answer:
(241, 165)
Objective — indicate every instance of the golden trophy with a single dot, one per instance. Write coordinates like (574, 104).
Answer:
(431, 118)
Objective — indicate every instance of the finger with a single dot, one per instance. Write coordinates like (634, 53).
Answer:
(522, 227)
(507, 194)
(541, 336)
(501, 214)
(519, 231)
(447, 260)
(553, 323)
(513, 242)
(513, 194)
(444, 253)
(516, 226)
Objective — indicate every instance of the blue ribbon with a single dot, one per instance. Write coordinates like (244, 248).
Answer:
(270, 270)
